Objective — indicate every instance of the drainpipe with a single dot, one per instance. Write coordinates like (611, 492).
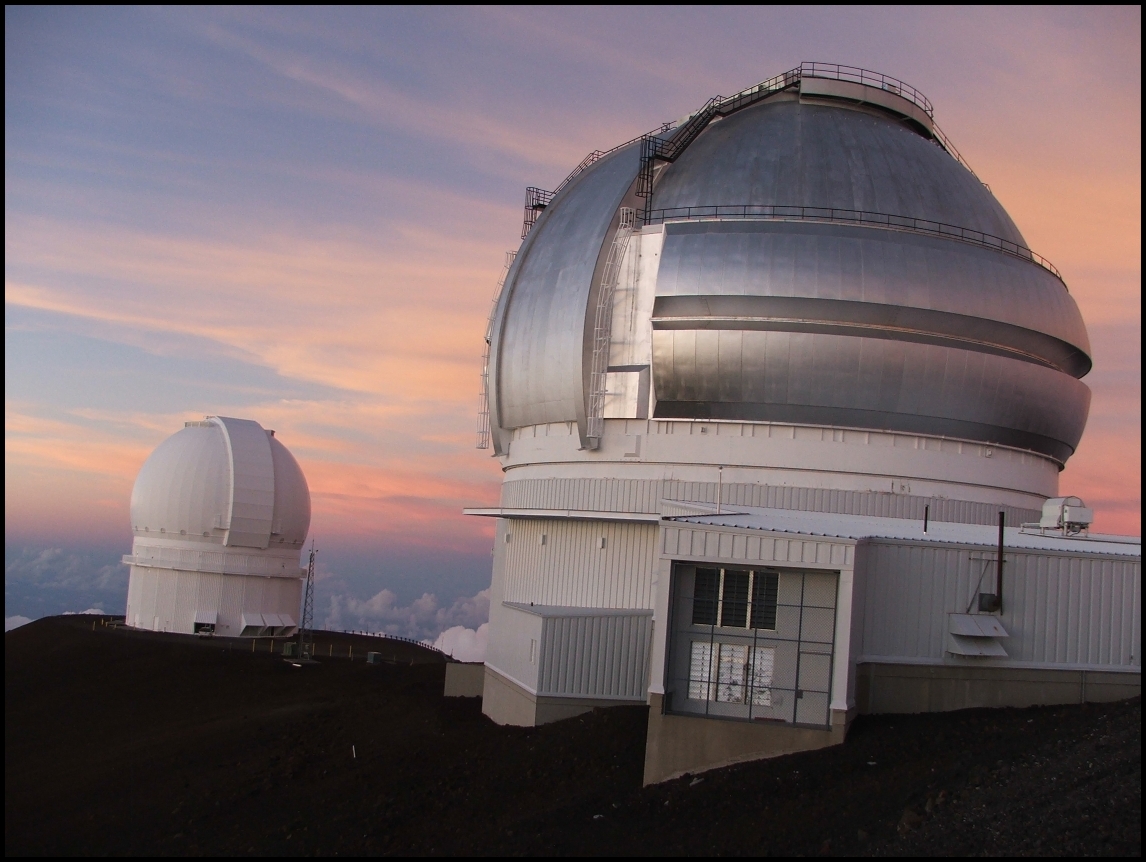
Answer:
(926, 517)
(719, 487)
(999, 578)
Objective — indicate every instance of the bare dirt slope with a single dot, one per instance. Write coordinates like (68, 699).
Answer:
(124, 743)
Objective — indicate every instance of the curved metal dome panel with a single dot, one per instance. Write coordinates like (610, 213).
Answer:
(848, 381)
(292, 498)
(183, 488)
(540, 343)
(225, 481)
(889, 283)
(794, 154)
(774, 317)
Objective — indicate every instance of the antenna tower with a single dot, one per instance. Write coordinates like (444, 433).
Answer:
(305, 632)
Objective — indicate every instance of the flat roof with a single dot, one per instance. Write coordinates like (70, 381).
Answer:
(858, 527)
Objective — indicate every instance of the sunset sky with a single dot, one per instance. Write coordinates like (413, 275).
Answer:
(298, 216)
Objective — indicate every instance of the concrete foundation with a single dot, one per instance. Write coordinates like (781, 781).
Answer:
(464, 679)
(506, 702)
(679, 744)
(903, 688)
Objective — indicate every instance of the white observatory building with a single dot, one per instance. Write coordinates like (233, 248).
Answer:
(773, 388)
(220, 512)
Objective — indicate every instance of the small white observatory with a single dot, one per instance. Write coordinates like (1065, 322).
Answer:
(219, 512)
(781, 397)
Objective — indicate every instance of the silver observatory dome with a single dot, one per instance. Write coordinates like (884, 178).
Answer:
(827, 260)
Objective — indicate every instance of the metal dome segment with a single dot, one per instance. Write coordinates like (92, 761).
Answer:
(292, 499)
(183, 488)
(222, 481)
(252, 483)
(825, 80)
(787, 151)
(542, 346)
(885, 221)
(810, 212)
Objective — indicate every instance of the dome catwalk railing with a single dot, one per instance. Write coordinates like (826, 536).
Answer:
(862, 218)
(657, 148)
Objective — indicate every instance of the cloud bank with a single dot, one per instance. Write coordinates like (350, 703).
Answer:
(424, 619)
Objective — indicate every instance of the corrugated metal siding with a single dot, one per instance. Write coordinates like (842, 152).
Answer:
(644, 496)
(1059, 610)
(596, 656)
(571, 569)
(689, 543)
(169, 599)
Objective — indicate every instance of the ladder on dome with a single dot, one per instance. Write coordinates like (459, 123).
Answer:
(603, 326)
(483, 428)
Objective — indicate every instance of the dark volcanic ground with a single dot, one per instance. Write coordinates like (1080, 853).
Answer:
(130, 743)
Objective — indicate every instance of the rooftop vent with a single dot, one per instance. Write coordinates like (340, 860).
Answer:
(1067, 516)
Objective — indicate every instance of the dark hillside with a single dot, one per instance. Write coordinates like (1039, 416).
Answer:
(131, 743)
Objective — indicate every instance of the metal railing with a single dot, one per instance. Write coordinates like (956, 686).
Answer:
(854, 217)
(655, 147)
(536, 200)
(856, 75)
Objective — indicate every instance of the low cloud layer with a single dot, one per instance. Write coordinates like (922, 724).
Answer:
(15, 622)
(423, 619)
(464, 644)
(41, 582)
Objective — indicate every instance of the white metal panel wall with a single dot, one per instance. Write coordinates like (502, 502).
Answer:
(641, 495)
(514, 645)
(603, 657)
(572, 569)
(699, 544)
(169, 599)
(1059, 610)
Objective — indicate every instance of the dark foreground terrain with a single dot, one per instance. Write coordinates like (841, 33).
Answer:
(130, 743)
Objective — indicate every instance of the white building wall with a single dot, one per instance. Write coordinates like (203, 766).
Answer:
(170, 599)
(514, 645)
(601, 494)
(1061, 611)
(779, 454)
(569, 566)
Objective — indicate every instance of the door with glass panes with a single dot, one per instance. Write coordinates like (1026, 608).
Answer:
(752, 643)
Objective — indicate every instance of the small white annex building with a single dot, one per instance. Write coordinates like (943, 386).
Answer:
(220, 512)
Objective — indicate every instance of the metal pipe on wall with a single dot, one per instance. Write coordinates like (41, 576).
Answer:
(999, 578)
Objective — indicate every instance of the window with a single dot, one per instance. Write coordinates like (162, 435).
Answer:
(734, 598)
(704, 602)
(731, 673)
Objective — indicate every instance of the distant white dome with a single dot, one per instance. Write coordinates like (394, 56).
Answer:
(222, 481)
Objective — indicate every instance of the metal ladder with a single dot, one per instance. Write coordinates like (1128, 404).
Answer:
(603, 325)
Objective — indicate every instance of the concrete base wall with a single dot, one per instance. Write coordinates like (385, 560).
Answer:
(505, 702)
(892, 688)
(464, 680)
(679, 744)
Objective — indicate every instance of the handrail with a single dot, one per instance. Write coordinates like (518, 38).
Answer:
(668, 149)
(868, 78)
(772, 212)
